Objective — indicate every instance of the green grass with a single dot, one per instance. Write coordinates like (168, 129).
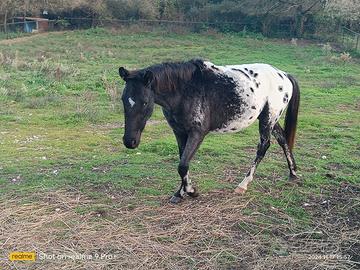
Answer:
(58, 127)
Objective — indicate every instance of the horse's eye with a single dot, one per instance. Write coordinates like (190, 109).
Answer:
(145, 103)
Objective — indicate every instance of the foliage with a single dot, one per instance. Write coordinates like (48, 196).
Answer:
(345, 9)
(295, 18)
(132, 9)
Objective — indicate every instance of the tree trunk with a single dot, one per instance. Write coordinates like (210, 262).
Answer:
(265, 26)
(300, 26)
(301, 29)
(5, 20)
(92, 19)
(299, 22)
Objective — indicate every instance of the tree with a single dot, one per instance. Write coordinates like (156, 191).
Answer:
(132, 9)
(9, 8)
(298, 10)
(346, 11)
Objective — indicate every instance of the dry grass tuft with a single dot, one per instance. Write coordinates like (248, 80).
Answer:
(13, 60)
(112, 91)
(327, 48)
(57, 70)
(345, 57)
(294, 41)
(211, 232)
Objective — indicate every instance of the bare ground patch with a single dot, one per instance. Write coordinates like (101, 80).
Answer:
(216, 231)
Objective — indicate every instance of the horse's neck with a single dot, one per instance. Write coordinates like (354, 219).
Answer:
(167, 98)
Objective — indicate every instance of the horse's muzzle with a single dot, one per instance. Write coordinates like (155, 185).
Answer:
(131, 143)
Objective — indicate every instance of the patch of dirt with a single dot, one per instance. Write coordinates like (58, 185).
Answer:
(337, 215)
(211, 232)
(28, 38)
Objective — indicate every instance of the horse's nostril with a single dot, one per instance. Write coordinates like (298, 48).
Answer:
(133, 142)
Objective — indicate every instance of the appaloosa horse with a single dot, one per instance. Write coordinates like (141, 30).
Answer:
(198, 97)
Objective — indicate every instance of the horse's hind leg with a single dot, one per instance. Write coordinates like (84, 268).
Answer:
(265, 127)
(279, 134)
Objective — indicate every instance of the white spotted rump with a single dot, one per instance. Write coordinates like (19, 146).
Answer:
(257, 84)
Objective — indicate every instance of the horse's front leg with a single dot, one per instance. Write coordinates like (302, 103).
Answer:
(193, 142)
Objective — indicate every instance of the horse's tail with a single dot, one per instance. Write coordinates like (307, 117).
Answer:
(292, 113)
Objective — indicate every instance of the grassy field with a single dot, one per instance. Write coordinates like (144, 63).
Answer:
(69, 186)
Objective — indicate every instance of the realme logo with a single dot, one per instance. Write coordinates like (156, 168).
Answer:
(22, 256)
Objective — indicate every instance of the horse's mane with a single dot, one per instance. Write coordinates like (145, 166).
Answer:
(169, 76)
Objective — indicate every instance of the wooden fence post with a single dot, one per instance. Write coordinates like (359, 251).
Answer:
(5, 22)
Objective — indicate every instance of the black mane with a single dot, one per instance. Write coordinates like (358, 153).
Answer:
(169, 76)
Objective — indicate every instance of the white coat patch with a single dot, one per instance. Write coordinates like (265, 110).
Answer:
(258, 84)
(132, 102)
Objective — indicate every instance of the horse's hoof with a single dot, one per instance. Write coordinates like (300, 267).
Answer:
(294, 177)
(175, 199)
(240, 190)
(193, 194)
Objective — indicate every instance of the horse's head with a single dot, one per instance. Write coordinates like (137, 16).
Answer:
(138, 100)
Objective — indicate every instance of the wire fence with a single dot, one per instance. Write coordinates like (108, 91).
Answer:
(350, 39)
(346, 38)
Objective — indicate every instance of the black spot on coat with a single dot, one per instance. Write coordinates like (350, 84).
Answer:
(236, 69)
(286, 98)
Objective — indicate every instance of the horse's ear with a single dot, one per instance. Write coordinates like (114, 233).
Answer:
(124, 73)
(148, 77)
(199, 64)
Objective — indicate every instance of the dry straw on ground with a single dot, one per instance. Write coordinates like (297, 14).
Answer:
(211, 232)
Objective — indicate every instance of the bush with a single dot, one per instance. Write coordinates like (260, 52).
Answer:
(132, 9)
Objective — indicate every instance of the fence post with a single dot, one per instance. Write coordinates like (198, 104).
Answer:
(5, 21)
(357, 42)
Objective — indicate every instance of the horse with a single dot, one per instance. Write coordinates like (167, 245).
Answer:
(198, 97)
